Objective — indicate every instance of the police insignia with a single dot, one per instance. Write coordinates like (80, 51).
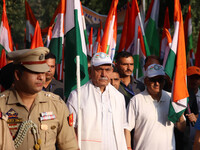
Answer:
(13, 117)
(12, 113)
(70, 119)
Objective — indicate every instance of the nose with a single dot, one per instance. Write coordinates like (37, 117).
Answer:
(157, 83)
(41, 76)
(103, 72)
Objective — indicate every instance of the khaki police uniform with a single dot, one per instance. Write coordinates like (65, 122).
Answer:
(49, 131)
(45, 124)
(6, 142)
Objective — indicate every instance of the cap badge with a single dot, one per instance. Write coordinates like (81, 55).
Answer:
(41, 57)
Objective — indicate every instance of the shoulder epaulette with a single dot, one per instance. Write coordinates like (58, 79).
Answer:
(3, 116)
(52, 96)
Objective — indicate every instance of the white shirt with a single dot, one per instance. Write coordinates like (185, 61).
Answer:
(153, 130)
(103, 117)
(198, 99)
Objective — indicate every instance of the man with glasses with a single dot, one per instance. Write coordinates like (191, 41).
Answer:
(148, 114)
(103, 109)
(128, 85)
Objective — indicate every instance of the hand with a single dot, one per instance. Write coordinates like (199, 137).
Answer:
(191, 117)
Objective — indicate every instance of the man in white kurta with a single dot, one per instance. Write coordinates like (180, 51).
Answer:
(148, 114)
(103, 109)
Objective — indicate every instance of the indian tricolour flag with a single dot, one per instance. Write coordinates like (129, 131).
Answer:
(5, 34)
(97, 46)
(74, 45)
(49, 36)
(90, 52)
(177, 58)
(188, 38)
(139, 55)
(125, 29)
(30, 24)
(132, 34)
(108, 43)
(167, 45)
(37, 38)
(57, 39)
(164, 40)
(85, 30)
(151, 27)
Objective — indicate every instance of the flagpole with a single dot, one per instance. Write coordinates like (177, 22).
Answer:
(79, 102)
(138, 49)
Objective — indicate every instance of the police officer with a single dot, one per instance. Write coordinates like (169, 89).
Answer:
(36, 119)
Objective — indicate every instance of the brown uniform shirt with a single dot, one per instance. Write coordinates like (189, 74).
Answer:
(6, 142)
(50, 131)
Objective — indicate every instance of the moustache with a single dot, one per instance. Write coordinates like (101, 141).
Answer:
(128, 70)
(103, 78)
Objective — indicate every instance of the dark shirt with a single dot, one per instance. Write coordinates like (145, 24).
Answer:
(183, 139)
(133, 88)
(55, 87)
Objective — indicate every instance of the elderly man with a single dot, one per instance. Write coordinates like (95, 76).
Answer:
(36, 119)
(148, 114)
(103, 109)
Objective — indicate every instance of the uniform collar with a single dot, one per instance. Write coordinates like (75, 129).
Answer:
(14, 97)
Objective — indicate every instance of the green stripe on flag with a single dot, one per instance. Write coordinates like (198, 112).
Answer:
(189, 44)
(55, 47)
(137, 66)
(152, 37)
(172, 115)
(72, 49)
(146, 46)
(169, 67)
(1, 48)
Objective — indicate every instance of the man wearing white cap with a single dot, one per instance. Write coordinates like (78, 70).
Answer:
(102, 107)
(148, 114)
(36, 119)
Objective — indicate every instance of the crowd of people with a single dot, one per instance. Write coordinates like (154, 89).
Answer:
(118, 112)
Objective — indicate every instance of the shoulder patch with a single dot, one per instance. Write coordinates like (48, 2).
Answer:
(3, 116)
(2, 95)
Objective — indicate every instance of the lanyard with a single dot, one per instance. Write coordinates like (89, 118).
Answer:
(130, 91)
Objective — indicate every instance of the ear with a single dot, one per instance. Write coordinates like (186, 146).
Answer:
(145, 80)
(89, 72)
(17, 74)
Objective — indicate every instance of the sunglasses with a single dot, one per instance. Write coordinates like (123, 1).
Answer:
(157, 79)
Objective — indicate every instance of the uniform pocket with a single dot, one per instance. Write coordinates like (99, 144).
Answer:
(48, 132)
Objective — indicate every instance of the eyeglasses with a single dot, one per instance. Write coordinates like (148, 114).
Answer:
(156, 79)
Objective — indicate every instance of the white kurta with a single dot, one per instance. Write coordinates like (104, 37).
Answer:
(103, 117)
(153, 130)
